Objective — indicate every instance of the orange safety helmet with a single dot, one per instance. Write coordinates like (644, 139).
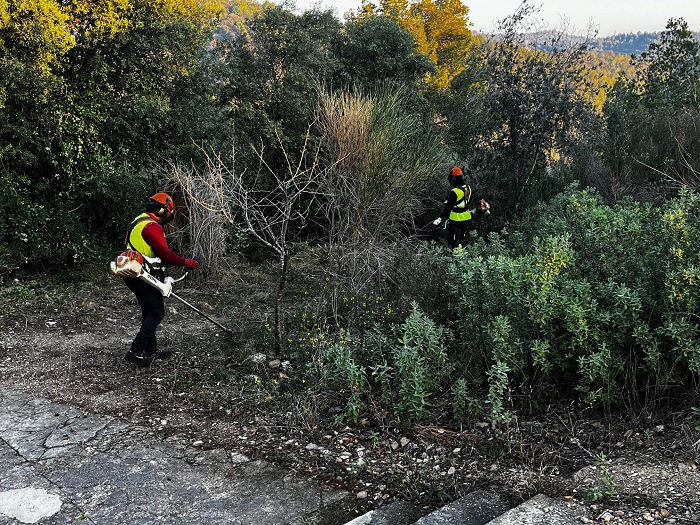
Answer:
(166, 201)
(456, 172)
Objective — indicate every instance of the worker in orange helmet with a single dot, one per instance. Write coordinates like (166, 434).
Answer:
(146, 235)
(457, 211)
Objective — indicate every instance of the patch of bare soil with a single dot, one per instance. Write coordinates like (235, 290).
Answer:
(67, 343)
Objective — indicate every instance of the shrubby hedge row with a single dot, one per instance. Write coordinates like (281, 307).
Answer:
(585, 302)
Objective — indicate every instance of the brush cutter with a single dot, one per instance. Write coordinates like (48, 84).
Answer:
(164, 287)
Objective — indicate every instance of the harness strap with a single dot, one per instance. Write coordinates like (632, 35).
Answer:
(466, 195)
(131, 229)
(146, 263)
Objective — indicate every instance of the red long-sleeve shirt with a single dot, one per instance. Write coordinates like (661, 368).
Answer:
(154, 236)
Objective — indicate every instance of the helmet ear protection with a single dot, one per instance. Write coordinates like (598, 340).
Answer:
(160, 212)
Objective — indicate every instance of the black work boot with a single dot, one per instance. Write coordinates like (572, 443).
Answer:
(146, 358)
(158, 354)
(139, 358)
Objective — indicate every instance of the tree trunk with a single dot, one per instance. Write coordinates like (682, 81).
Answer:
(284, 259)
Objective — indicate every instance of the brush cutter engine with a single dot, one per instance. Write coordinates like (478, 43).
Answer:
(483, 208)
(129, 263)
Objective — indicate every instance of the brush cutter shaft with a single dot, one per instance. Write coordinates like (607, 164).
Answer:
(166, 289)
(199, 312)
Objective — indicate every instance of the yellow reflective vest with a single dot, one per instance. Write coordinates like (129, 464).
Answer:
(135, 241)
(460, 212)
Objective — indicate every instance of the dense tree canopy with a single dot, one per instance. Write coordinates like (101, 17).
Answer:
(274, 71)
(651, 146)
(440, 28)
(375, 49)
(669, 72)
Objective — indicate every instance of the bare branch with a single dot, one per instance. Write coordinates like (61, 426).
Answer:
(270, 206)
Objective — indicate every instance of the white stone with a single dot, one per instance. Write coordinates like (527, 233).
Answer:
(29, 505)
(362, 520)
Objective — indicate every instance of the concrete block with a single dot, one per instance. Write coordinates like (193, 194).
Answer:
(396, 513)
(476, 508)
(539, 510)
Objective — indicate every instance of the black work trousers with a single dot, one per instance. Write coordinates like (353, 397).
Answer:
(457, 233)
(152, 313)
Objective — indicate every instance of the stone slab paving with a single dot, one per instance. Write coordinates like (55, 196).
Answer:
(475, 508)
(60, 465)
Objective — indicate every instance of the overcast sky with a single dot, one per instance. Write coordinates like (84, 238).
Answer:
(609, 17)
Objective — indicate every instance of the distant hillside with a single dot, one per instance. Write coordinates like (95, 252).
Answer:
(628, 43)
(621, 44)
(625, 43)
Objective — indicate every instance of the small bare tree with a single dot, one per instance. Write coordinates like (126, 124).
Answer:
(271, 205)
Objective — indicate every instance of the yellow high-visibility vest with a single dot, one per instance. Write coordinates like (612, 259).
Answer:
(136, 242)
(459, 212)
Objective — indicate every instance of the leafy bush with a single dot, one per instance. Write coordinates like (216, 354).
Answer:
(341, 370)
(37, 235)
(43, 230)
(601, 302)
(401, 366)
(420, 363)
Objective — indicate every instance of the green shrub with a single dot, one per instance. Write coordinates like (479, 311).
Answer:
(407, 365)
(420, 364)
(606, 487)
(601, 302)
(341, 371)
